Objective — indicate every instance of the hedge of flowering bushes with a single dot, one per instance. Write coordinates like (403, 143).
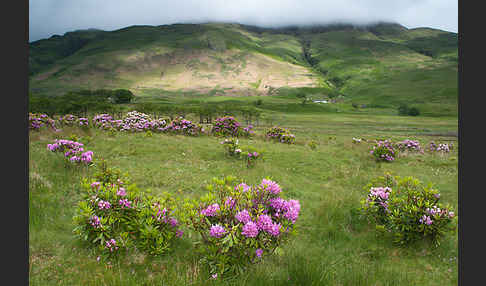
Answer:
(228, 126)
(280, 134)
(184, 127)
(114, 217)
(72, 150)
(240, 224)
(408, 209)
(38, 121)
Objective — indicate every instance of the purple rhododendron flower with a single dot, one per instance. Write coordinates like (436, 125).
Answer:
(270, 186)
(250, 229)
(210, 210)
(259, 252)
(243, 216)
(217, 231)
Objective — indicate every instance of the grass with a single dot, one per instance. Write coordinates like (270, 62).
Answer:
(333, 247)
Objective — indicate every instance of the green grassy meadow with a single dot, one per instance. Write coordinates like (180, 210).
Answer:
(333, 246)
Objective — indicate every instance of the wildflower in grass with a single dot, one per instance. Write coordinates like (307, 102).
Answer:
(250, 229)
(217, 231)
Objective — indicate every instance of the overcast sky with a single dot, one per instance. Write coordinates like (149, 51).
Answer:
(49, 17)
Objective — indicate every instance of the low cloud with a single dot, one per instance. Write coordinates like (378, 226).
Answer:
(49, 17)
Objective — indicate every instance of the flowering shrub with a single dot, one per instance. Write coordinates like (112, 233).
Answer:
(115, 216)
(72, 150)
(442, 147)
(251, 158)
(407, 209)
(240, 224)
(103, 121)
(226, 126)
(281, 135)
(312, 144)
(135, 121)
(247, 131)
(232, 147)
(383, 151)
(37, 121)
(183, 126)
(68, 120)
(409, 145)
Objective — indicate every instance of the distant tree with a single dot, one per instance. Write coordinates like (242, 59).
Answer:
(403, 109)
(303, 96)
(122, 96)
(413, 111)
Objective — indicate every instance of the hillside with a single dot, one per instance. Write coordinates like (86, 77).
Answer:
(380, 65)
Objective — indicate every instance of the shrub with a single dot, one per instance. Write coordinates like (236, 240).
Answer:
(442, 147)
(409, 145)
(383, 151)
(232, 147)
(73, 151)
(413, 111)
(114, 217)
(183, 126)
(226, 126)
(241, 224)
(37, 121)
(312, 144)
(281, 135)
(408, 209)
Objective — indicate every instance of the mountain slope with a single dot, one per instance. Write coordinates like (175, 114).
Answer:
(380, 65)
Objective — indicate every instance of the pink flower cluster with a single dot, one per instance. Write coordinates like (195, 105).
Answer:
(217, 231)
(37, 121)
(211, 210)
(442, 147)
(409, 145)
(111, 245)
(104, 205)
(226, 126)
(380, 196)
(281, 135)
(72, 150)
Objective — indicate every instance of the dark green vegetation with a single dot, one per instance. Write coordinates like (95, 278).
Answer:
(333, 246)
(379, 66)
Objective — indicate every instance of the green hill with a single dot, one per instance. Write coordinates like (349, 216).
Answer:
(382, 65)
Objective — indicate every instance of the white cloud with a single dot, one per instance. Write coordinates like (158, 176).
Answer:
(48, 17)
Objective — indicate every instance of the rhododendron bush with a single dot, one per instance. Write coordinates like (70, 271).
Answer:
(73, 151)
(114, 216)
(408, 209)
(228, 126)
(281, 135)
(240, 224)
